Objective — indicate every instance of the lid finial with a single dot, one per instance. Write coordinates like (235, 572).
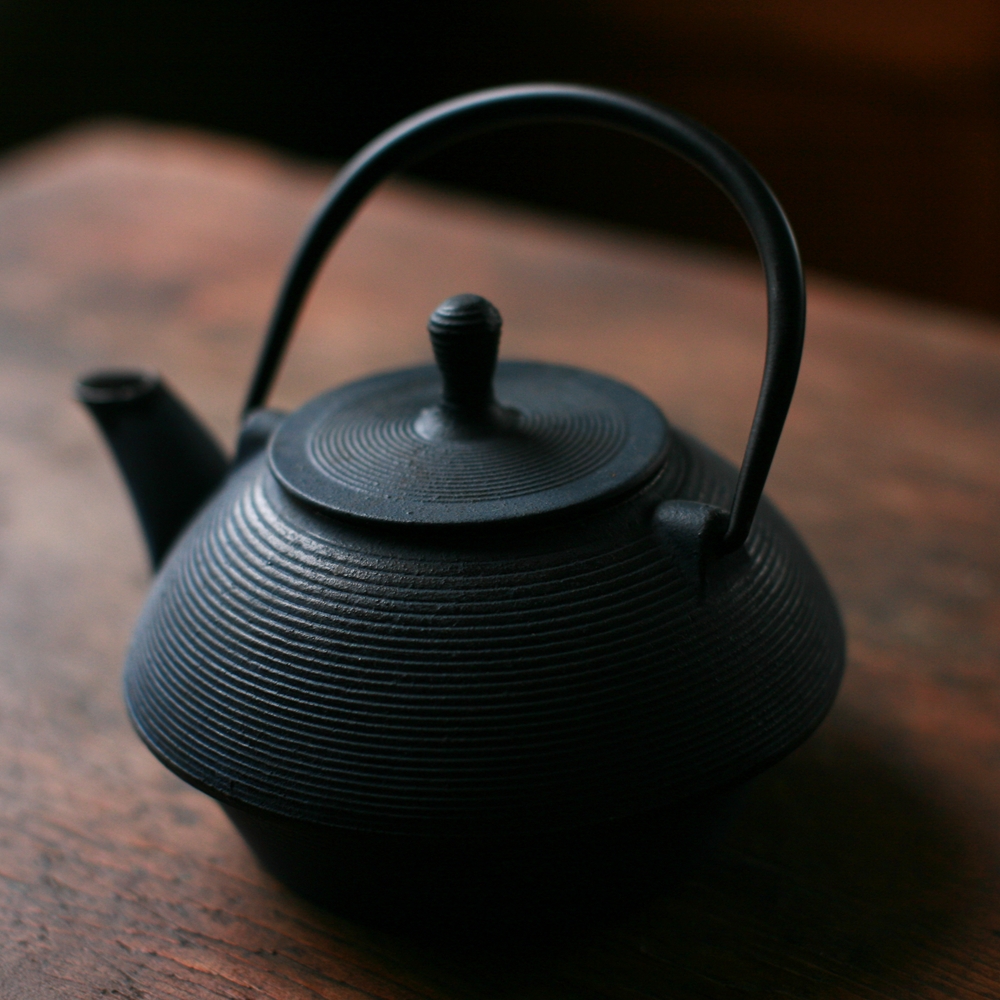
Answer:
(465, 335)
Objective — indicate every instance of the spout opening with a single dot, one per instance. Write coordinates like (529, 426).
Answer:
(115, 385)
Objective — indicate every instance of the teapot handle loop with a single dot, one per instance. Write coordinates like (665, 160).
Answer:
(450, 121)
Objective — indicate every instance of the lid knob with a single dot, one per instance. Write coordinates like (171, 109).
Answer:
(465, 335)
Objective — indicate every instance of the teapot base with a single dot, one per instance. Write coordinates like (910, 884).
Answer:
(535, 881)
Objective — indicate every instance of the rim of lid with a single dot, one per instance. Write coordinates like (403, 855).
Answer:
(385, 449)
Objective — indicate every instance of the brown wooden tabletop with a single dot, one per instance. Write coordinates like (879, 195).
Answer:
(866, 865)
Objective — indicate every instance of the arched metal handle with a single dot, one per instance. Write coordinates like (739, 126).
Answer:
(445, 123)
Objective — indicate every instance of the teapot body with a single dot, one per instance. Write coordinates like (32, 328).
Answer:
(478, 692)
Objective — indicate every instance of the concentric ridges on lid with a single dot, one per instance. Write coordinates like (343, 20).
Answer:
(387, 449)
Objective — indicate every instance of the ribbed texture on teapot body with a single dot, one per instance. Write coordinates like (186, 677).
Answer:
(460, 679)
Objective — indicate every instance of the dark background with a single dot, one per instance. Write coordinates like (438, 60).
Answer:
(875, 122)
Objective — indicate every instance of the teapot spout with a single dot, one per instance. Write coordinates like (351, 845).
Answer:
(170, 463)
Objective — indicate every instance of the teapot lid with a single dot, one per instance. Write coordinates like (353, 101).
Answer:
(470, 441)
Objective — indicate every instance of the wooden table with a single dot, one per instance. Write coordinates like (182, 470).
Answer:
(866, 865)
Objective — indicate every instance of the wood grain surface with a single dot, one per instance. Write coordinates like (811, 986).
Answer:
(866, 865)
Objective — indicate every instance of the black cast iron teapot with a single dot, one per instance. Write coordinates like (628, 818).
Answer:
(462, 638)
